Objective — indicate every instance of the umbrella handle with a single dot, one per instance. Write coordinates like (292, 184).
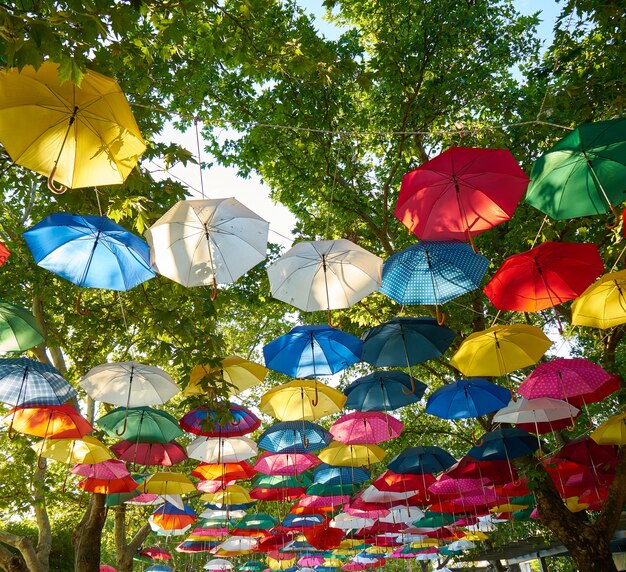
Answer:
(81, 311)
(441, 316)
(215, 290)
(316, 399)
(408, 392)
(124, 426)
(617, 218)
(298, 477)
(51, 185)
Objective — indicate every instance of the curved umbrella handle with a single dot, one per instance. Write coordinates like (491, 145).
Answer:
(81, 311)
(617, 218)
(412, 390)
(117, 432)
(215, 290)
(316, 399)
(51, 184)
(299, 477)
(441, 316)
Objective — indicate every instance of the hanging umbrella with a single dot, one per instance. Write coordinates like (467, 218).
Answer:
(585, 451)
(420, 460)
(346, 521)
(603, 304)
(208, 241)
(582, 174)
(432, 273)
(156, 553)
(305, 400)
(402, 515)
(25, 382)
(85, 450)
(326, 474)
(239, 373)
(163, 454)
(223, 471)
(403, 482)
(89, 251)
(79, 136)
(4, 254)
(460, 193)
(369, 427)
(612, 431)
(140, 424)
(383, 391)
(309, 351)
(231, 421)
(539, 415)
(222, 449)
(18, 329)
(285, 464)
(340, 455)
(170, 517)
(446, 487)
(294, 437)
(281, 481)
(167, 484)
(467, 398)
(49, 422)
(551, 273)
(218, 564)
(500, 349)
(324, 275)
(105, 477)
(498, 472)
(504, 445)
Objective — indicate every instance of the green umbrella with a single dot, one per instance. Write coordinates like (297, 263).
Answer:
(435, 520)
(256, 521)
(323, 490)
(252, 566)
(18, 329)
(583, 174)
(279, 482)
(141, 425)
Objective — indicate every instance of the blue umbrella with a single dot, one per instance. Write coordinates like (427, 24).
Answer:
(331, 475)
(294, 437)
(27, 383)
(421, 460)
(158, 568)
(90, 251)
(302, 520)
(405, 342)
(504, 444)
(383, 391)
(307, 351)
(467, 398)
(432, 273)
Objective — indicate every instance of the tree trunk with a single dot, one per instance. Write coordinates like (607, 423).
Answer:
(87, 536)
(126, 550)
(11, 562)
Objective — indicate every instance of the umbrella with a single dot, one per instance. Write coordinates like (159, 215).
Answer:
(403, 482)
(107, 568)
(305, 400)
(460, 193)
(163, 454)
(346, 521)
(156, 553)
(603, 304)
(285, 464)
(612, 431)
(340, 455)
(309, 351)
(383, 391)
(420, 460)
(89, 251)
(324, 275)
(498, 472)
(551, 273)
(218, 564)
(585, 451)
(432, 273)
(19, 330)
(467, 398)
(504, 445)
(223, 471)
(329, 475)
(222, 449)
(232, 421)
(294, 437)
(140, 424)
(49, 422)
(239, 373)
(85, 450)
(4, 254)
(25, 382)
(252, 566)
(105, 477)
(170, 517)
(365, 427)
(281, 481)
(208, 241)
(538, 415)
(167, 484)
(79, 136)
(582, 174)
(500, 349)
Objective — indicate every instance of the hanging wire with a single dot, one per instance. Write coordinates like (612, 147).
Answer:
(332, 190)
(543, 222)
(199, 156)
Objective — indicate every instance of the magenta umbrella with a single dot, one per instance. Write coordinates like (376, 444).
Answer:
(213, 486)
(310, 561)
(314, 501)
(366, 427)
(487, 496)
(285, 464)
(446, 486)
(106, 470)
(164, 454)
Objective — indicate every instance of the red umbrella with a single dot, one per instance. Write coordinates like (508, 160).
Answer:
(401, 483)
(4, 254)
(277, 494)
(156, 553)
(461, 193)
(551, 273)
(585, 451)
(164, 454)
(498, 472)
(324, 536)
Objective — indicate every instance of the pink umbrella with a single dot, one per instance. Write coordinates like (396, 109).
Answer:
(107, 568)
(486, 497)
(448, 487)
(354, 567)
(366, 512)
(314, 501)
(110, 469)
(156, 553)
(369, 427)
(164, 454)
(213, 486)
(285, 464)
(145, 498)
(310, 561)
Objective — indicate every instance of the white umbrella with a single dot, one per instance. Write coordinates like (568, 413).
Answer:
(402, 514)
(540, 410)
(222, 514)
(406, 537)
(238, 544)
(218, 564)
(346, 521)
(222, 449)
(372, 494)
(202, 242)
(325, 275)
(427, 556)
(461, 545)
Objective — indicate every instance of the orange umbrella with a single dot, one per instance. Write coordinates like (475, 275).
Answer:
(51, 421)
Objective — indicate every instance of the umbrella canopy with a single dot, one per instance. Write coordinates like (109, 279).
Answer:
(537, 415)
(383, 391)
(85, 450)
(500, 349)
(460, 193)
(603, 304)
(90, 251)
(467, 398)
(612, 431)
(547, 275)
(582, 174)
(4, 254)
(432, 273)
(49, 422)
(329, 475)
(140, 424)
(232, 421)
(305, 400)
(25, 382)
(420, 460)
(222, 449)
(403, 482)
(208, 241)
(324, 275)
(504, 445)
(239, 373)
(156, 553)
(79, 136)
(229, 496)
(129, 384)
(167, 484)
(223, 471)
(106, 477)
(340, 455)
(218, 564)
(285, 464)
(163, 454)
(171, 517)
(19, 330)
(294, 437)
(405, 342)
(307, 351)
(369, 427)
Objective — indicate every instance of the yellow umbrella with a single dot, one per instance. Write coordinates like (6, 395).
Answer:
(603, 304)
(85, 450)
(234, 494)
(500, 350)
(333, 562)
(78, 136)
(238, 372)
(574, 506)
(302, 399)
(341, 455)
(508, 507)
(274, 564)
(167, 484)
(426, 543)
(612, 431)
(475, 536)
